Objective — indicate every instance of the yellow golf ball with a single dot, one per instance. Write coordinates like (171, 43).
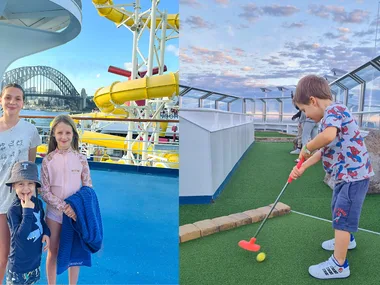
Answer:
(260, 257)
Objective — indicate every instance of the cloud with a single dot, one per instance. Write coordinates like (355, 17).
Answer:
(338, 13)
(192, 3)
(331, 36)
(246, 68)
(98, 75)
(291, 54)
(185, 58)
(279, 11)
(273, 61)
(344, 30)
(173, 49)
(223, 2)
(213, 56)
(251, 12)
(362, 34)
(239, 51)
(293, 25)
(196, 22)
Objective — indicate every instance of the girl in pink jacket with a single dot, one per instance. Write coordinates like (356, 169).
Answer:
(64, 170)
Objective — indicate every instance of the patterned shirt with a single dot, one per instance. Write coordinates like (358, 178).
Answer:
(62, 173)
(346, 158)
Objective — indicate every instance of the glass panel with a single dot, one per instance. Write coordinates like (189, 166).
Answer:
(372, 103)
(214, 97)
(258, 117)
(349, 82)
(228, 99)
(237, 106)
(273, 111)
(289, 110)
(222, 106)
(338, 94)
(189, 102)
(195, 94)
(368, 73)
(353, 99)
(249, 105)
(209, 104)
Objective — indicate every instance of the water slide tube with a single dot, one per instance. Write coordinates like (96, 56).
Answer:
(107, 98)
(117, 17)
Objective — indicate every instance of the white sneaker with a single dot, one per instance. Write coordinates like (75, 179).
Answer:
(330, 244)
(296, 151)
(329, 270)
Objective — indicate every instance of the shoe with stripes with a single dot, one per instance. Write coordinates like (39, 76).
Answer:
(330, 269)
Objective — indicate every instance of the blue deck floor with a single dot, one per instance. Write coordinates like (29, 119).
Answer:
(140, 220)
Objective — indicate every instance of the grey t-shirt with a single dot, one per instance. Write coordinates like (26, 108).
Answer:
(14, 146)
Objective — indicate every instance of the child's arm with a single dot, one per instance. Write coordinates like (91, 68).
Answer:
(297, 172)
(46, 194)
(46, 230)
(321, 140)
(20, 225)
(85, 176)
(36, 140)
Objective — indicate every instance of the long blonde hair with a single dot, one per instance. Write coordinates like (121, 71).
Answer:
(68, 121)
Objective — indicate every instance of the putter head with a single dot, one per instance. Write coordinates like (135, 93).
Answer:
(249, 245)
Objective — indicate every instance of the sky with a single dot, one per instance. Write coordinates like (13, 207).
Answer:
(236, 48)
(85, 59)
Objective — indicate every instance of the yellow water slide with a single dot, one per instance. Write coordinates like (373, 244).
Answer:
(158, 86)
(118, 17)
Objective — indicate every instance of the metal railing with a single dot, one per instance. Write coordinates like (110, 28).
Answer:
(162, 146)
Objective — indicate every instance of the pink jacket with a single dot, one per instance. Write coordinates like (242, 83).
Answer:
(62, 173)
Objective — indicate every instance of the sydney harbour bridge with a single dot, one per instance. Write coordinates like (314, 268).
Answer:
(46, 88)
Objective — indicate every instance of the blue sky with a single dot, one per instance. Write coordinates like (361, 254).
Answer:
(235, 48)
(85, 60)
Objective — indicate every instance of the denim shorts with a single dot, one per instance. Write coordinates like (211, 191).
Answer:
(14, 278)
(346, 205)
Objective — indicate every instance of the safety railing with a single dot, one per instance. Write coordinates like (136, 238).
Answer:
(98, 144)
(359, 90)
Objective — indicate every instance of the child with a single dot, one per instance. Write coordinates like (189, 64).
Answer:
(18, 141)
(27, 226)
(64, 169)
(344, 156)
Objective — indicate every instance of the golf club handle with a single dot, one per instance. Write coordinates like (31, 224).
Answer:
(302, 160)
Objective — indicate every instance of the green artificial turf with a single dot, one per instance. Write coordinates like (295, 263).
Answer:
(292, 244)
(263, 134)
(259, 179)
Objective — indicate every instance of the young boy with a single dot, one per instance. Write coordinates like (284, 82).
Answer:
(345, 157)
(27, 226)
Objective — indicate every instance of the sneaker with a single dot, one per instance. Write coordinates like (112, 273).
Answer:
(330, 269)
(330, 244)
(296, 151)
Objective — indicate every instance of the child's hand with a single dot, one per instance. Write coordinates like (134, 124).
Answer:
(297, 172)
(70, 212)
(46, 239)
(27, 203)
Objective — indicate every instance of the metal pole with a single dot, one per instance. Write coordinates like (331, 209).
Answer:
(152, 36)
(135, 40)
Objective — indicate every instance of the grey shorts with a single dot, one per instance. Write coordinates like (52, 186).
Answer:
(346, 205)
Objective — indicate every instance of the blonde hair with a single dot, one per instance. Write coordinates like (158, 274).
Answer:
(68, 121)
(311, 85)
